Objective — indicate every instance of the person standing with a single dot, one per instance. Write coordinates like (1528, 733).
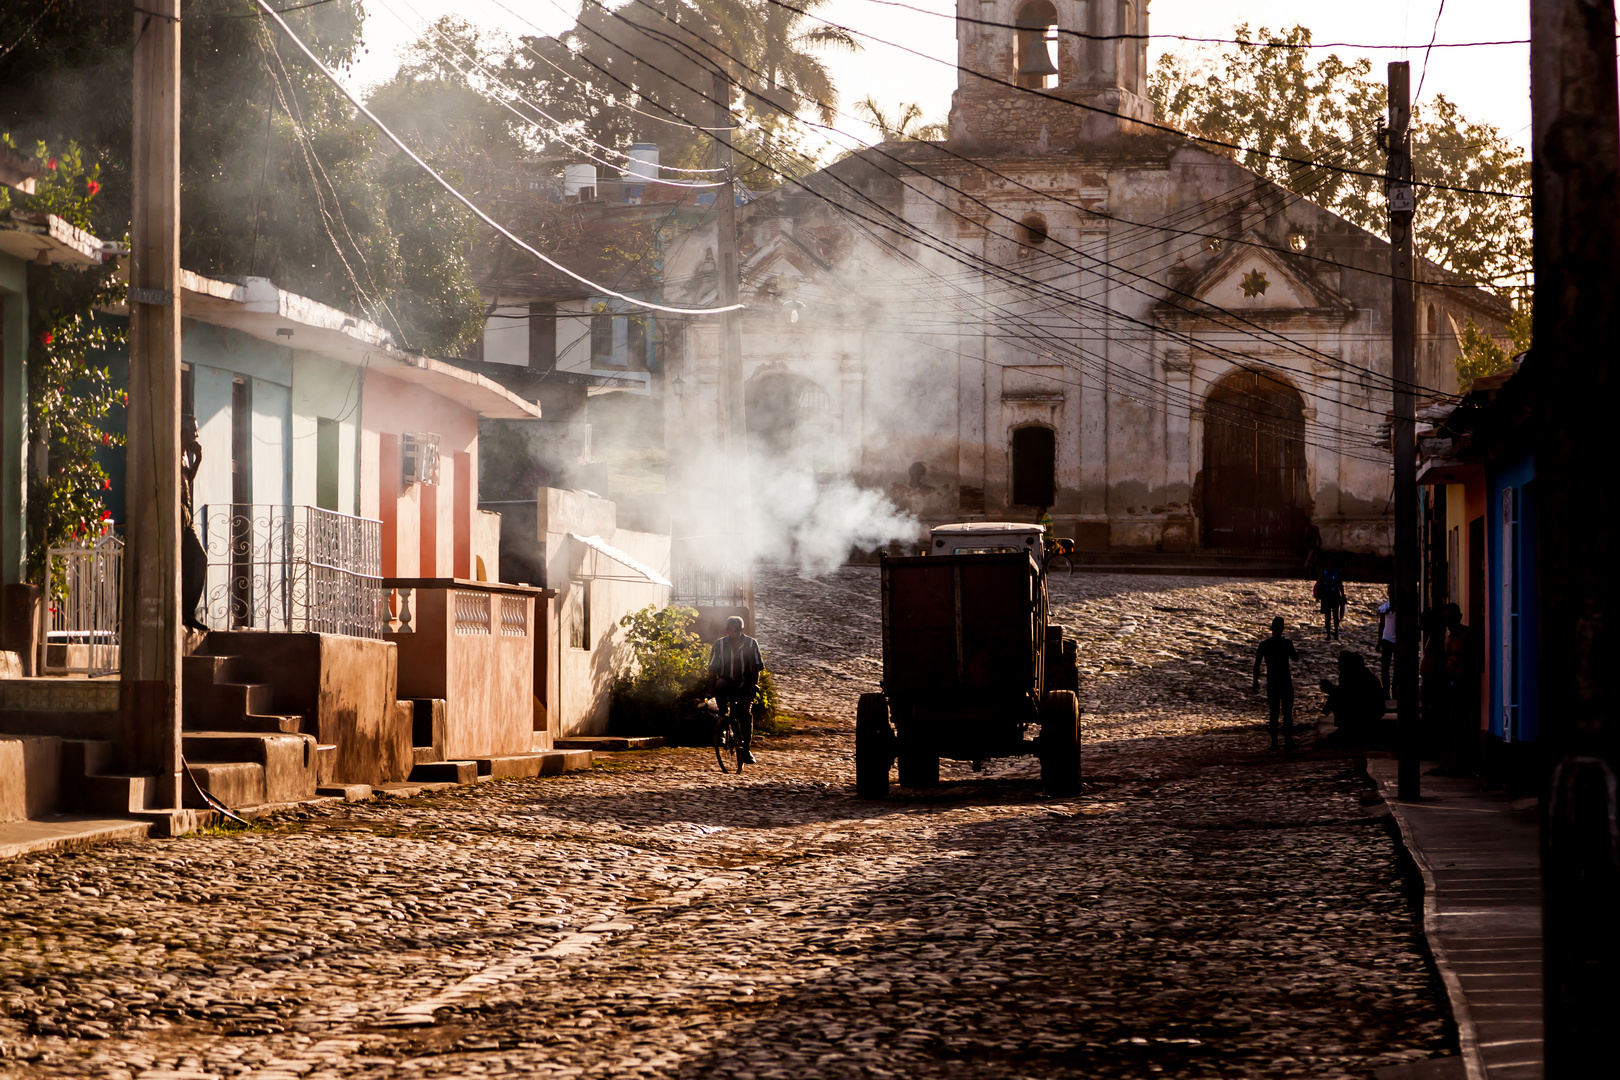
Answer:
(734, 666)
(1386, 640)
(193, 559)
(1462, 686)
(1330, 594)
(1276, 652)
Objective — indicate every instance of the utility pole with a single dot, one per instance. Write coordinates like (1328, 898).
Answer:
(1403, 313)
(149, 630)
(733, 412)
(1575, 162)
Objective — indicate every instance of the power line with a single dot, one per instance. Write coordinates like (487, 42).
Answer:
(1250, 43)
(1087, 107)
(468, 203)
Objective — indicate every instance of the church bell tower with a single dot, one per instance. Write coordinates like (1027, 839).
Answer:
(1089, 52)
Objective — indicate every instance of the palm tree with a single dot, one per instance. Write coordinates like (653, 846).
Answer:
(905, 125)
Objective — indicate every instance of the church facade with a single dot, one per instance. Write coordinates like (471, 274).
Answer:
(1065, 309)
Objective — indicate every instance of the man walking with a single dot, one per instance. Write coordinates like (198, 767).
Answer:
(734, 667)
(1275, 653)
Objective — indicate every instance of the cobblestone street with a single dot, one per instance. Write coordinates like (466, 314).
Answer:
(1203, 908)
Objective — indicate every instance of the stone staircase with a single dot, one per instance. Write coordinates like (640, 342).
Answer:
(238, 747)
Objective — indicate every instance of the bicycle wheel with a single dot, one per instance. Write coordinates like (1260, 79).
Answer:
(726, 743)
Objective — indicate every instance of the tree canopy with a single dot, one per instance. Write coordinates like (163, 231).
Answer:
(277, 178)
(1279, 101)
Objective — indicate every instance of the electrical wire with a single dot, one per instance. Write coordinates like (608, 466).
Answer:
(1327, 357)
(1088, 107)
(481, 215)
(557, 131)
(1197, 40)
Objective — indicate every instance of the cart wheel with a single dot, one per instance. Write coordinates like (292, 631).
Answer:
(874, 747)
(1060, 744)
(918, 770)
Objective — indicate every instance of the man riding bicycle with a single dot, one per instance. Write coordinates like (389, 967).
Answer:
(734, 667)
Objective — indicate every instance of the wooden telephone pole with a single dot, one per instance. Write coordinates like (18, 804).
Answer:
(149, 658)
(1403, 314)
(733, 406)
(1575, 155)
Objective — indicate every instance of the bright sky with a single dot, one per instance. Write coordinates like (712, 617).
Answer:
(1490, 84)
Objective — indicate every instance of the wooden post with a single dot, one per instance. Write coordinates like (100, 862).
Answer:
(1403, 317)
(1576, 206)
(149, 661)
(733, 411)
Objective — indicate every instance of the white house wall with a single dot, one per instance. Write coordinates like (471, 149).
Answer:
(325, 390)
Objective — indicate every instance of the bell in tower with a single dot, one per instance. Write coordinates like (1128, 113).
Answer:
(1036, 39)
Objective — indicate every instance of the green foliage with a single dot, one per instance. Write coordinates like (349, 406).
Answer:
(1278, 101)
(670, 667)
(1481, 355)
(655, 61)
(277, 177)
(905, 123)
(69, 394)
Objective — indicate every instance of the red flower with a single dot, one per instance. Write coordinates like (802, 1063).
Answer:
(46, 338)
(92, 187)
(106, 485)
(106, 440)
(51, 164)
(106, 515)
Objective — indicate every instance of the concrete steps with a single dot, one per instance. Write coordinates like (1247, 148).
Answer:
(270, 768)
(91, 786)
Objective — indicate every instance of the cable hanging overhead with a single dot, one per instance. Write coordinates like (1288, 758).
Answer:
(468, 203)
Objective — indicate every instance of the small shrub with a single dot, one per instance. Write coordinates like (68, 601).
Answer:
(668, 678)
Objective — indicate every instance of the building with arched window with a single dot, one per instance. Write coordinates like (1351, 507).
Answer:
(1068, 308)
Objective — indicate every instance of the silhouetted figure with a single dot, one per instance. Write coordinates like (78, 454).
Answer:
(1356, 700)
(1329, 593)
(1462, 666)
(1275, 653)
(734, 667)
(1432, 680)
(193, 559)
(1386, 641)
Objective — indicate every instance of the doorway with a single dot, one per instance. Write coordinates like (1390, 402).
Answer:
(1255, 495)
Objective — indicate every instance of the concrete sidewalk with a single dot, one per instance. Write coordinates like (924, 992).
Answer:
(1479, 856)
(18, 838)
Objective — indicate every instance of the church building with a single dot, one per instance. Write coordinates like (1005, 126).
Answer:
(1065, 308)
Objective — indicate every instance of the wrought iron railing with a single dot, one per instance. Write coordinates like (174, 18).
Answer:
(702, 568)
(86, 583)
(292, 568)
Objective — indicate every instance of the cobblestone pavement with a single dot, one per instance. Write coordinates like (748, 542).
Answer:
(1203, 909)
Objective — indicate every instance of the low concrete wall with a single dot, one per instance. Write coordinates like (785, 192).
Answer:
(346, 686)
(67, 708)
(30, 776)
(473, 645)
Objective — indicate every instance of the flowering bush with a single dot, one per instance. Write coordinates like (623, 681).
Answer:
(69, 393)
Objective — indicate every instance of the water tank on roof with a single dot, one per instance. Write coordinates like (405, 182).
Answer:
(643, 165)
(576, 177)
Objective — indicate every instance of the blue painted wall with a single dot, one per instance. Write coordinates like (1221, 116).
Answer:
(1518, 473)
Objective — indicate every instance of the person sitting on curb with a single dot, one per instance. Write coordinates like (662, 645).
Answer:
(1356, 700)
(1276, 652)
(734, 667)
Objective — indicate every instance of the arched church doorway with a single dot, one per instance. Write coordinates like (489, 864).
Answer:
(1255, 494)
(790, 422)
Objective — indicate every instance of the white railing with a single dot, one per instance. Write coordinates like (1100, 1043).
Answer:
(292, 568)
(86, 583)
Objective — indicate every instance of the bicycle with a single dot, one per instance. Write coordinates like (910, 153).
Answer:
(728, 742)
(1059, 549)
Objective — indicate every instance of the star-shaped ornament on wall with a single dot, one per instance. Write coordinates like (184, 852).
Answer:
(1255, 283)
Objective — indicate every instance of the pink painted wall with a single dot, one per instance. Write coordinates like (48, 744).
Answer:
(425, 527)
